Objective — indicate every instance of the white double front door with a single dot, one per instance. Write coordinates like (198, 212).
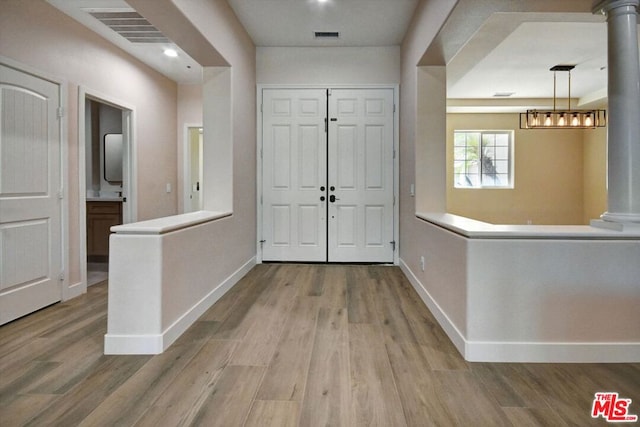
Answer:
(328, 175)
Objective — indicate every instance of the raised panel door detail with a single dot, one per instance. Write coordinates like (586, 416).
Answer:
(310, 107)
(281, 157)
(25, 253)
(374, 107)
(24, 143)
(281, 107)
(374, 220)
(308, 225)
(281, 225)
(347, 218)
(374, 157)
(347, 157)
(308, 153)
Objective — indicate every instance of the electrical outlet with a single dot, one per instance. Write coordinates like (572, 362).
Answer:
(422, 263)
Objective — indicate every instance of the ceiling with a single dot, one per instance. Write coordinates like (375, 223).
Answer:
(510, 53)
(293, 22)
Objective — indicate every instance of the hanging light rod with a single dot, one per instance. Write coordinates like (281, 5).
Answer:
(563, 119)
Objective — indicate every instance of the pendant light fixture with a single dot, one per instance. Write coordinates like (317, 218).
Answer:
(563, 119)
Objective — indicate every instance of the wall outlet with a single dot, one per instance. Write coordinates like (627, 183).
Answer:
(168, 187)
(422, 263)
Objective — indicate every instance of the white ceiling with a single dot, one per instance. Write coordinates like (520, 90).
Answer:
(509, 52)
(293, 22)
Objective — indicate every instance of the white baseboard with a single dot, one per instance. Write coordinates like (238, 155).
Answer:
(157, 343)
(74, 290)
(132, 344)
(561, 352)
(521, 352)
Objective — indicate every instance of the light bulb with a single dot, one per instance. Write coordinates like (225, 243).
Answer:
(562, 121)
(547, 120)
(587, 120)
(575, 121)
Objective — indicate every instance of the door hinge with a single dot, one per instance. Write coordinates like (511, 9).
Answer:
(394, 108)
(60, 112)
(394, 200)
(261, 110)
(328, 92)
(60, 194)
(394, 154)
(61, 276)
(325, 125)
(393, 244)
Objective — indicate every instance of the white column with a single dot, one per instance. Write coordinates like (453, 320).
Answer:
(623, 134)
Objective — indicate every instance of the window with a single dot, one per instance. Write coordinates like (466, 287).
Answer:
(483, 159)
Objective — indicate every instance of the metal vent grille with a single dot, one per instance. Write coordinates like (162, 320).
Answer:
(327, 34)
(132, 26)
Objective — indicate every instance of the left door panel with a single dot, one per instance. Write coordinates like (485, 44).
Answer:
(30, 204)
(294, 168)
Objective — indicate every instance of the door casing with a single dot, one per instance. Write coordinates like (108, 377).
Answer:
(396, 163)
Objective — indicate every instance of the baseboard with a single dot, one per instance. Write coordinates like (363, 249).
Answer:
(524, 352)
(174, 331)
(73, 291)
(447, 325)
(563, 352)
(133, 344)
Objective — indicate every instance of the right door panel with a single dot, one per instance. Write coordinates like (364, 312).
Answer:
(360, 176)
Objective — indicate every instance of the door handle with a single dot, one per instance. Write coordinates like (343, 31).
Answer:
(333, 198)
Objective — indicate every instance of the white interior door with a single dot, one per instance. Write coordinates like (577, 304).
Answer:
(30, 206)
(294, 159)
(361, 176)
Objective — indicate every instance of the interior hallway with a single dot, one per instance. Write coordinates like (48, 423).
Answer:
(288, 345)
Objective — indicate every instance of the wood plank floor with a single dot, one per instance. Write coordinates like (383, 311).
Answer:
(289, 345)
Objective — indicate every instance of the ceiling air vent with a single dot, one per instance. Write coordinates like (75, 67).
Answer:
(503, 94)
(131, 25)
(327, 34)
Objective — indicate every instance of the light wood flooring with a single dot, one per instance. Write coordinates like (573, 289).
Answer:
(288, 345)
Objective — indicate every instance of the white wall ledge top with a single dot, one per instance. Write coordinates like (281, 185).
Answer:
(169, 223)
(474, 229)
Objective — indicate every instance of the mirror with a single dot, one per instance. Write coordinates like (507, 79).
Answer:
(113, 157)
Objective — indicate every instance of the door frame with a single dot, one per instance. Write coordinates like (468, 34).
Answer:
(129, 169)
(186, 164)
(396, 154)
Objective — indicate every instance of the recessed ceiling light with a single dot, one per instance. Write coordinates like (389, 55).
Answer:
(171, 53)
(322, 1)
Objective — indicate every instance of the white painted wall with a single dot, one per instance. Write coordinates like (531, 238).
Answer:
(522, 299)
(39, 36)
(328, 65)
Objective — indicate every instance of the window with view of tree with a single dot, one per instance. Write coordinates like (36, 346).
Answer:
(483, 159)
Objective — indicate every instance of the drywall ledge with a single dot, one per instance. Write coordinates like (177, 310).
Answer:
(163, 275)
(517, 294)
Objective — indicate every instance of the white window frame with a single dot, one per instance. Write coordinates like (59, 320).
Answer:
(509, 158)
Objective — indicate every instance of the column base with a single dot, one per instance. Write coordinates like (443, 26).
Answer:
(616, 224)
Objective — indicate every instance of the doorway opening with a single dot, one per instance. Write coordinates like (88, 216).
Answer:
(193, 167)
(106, 172)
